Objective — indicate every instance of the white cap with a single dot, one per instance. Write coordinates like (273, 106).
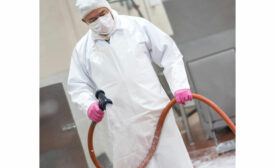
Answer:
(86, 6)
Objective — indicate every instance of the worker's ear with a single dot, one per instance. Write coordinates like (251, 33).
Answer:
(84, 21)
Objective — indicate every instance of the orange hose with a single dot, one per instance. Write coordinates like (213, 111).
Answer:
(91, 146)
(217, 109)
(159, 128)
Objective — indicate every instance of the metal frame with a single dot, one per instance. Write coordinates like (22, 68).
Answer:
(130, 4)
(207, 123)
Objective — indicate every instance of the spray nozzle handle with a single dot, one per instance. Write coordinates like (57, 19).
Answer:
(102, 99)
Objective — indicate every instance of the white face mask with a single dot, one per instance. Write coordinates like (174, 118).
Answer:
(103, 25)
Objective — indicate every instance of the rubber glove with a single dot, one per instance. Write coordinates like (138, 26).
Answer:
(183, 95)
(95, 113)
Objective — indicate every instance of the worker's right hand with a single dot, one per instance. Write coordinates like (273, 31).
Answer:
(95, 113)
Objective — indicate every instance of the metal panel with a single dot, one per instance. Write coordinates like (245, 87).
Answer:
(59, 141)
(204, 31)
(195, 19)
(209, 45)
(214, 77)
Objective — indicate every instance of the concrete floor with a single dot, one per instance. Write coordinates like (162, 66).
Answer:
(207, 158)
(203, 153)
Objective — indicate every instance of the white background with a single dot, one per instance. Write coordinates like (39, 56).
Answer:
(19, 85)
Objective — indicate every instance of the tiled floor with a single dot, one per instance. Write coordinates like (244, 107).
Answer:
(203, 153)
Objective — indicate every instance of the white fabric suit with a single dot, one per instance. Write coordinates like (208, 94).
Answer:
(122, 68)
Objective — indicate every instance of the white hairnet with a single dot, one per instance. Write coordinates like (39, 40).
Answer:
(86, 6)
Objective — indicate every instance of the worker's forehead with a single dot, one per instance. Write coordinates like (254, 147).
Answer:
(95, 12)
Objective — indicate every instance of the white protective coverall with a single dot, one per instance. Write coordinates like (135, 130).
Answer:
(123, 70)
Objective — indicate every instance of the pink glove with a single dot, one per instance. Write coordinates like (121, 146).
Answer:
(183, 95)
(95, 113)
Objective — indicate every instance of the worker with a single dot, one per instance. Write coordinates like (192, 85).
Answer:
(116, 56)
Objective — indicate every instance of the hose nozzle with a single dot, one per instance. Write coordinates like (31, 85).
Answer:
(103, 100)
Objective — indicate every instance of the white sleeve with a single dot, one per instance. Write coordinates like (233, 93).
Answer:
(166, 54)
(80, 86)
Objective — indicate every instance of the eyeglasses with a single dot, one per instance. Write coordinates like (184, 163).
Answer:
(102, 13)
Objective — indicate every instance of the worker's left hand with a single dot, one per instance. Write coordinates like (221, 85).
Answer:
(183, 95)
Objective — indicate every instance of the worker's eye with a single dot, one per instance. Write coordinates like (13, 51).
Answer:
(92, 20)
(103, 13)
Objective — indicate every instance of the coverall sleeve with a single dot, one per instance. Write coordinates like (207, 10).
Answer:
(165, 53)
(80, 86)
